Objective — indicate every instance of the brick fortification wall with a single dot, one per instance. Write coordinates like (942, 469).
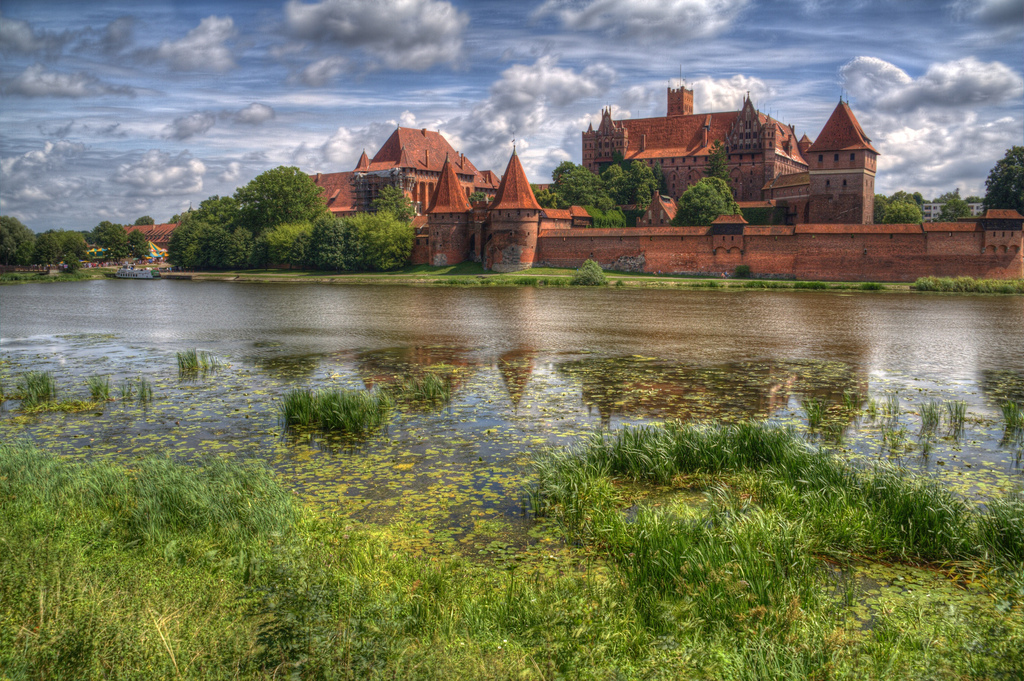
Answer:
(809, 252)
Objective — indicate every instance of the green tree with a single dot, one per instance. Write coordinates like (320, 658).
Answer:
(902, 213)
(377, 242)
(216, 210)
(393, 200)
(283, 194)
(705, 201)
(326, 249)
(718, 163)
(881, 203)
(577, 186)
(145, 220)
(642, 184)
(616, 184)
(56, 245)
(281, 239)
(13, 234)
(659, 177)
(182, 249)
(479, 197)
(1004, 187)
(547, 198)
(954, 209)
(138, 245)
(948, 196)
(113, 238)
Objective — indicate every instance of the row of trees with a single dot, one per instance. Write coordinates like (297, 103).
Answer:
(280, 219)
(21, 246)
(620, 184)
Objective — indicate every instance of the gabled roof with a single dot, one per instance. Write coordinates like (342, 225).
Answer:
(337, 190)
(788, 180)
(676, 135)
(514, 190)
(842, 132)
(159, 234)
(736, 219)
(422, 149)
(449, 196)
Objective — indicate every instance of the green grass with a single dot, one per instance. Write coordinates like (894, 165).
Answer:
(430, 390)
(956, 415)
(352, 412)
(99, 388)
(43, 277)
(969, 285)
(815, 410)
(931, 416)
(36, 388)
(197, 362)
(212, 570)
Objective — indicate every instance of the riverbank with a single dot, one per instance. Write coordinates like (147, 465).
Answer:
(215, 571)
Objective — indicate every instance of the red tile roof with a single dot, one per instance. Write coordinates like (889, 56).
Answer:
(578, 212)
(790, 180)
(364, 162)
(337, 190)
(158, 234)
(676, 135)
(422, 149)
(736, 219)
(514, 190)
(842, 132)
(558, 213)
(449, 196)
(1002, 214)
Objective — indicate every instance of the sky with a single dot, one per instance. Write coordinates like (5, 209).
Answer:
(112, 111)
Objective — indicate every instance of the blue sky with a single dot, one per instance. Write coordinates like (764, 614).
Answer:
(110, 111)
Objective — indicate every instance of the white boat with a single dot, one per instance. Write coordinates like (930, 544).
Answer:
(132, 272)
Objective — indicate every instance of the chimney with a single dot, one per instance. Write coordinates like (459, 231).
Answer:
(643, 142)
(424, 131)
(426, 157)
(318, 177)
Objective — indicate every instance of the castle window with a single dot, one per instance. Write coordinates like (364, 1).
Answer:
(828, 183)
(844, 183)
(835, 157)
(853, 157)
(821, 157)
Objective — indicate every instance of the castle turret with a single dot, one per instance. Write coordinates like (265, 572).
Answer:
(511, 236)
(842, 166)
(364, 162)
(448, 219)
(680, 101)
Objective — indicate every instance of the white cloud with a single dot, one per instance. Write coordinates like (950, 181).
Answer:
(726, 94)
(183, 127)
(341, 150)
(38, 81)
(322, 72)
(232, 172)
(962, 83)
(647, 19)
(157, 173)
(19, 36)
(402, 34)
(519, 106)
(35, 176)
(996, 13)
(203, 49)
(254, 114)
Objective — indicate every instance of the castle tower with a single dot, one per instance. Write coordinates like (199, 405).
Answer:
(680, 101)
(448, 219)
(510, 238)
(842, 165)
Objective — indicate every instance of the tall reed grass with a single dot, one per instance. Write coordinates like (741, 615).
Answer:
(431, 390)
(195, 361)
(969, 285)
(99, 388)
(354, 412)
(36, 388)
(956, 416)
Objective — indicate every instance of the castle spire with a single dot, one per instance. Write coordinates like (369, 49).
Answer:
(448, 196)
(364, 161)
(514, 191)
(841, 132)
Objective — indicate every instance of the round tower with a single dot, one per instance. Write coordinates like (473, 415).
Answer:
(510, 237)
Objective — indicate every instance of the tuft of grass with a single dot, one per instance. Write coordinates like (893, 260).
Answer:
(144, 390)
(891, 408)
(956, 415)
(815, 409)
(931, 416)
(969, 285)
(126, 389)
(353, 412)
(851, 402)
(36, 388)
(431, 390)
(191, 362)
(99, 388)
(870, 286)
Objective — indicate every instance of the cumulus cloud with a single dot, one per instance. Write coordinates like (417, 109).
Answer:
(649, 19)
(991, 12)
(117, 36)
(322, 72)
(203, 49)
(193, 124)
(254, 114)
(341, 150)
(232, 172)
(402, 34)
(726, 94)
(961, 83)
(34, 181)
(519, 104)
(18, 36)
(159, 174)
(38, 81)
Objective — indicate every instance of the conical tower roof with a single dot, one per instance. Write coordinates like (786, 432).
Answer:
(842, 132)
(364, 162)
(514, 190)
(405, 161)
(448, 197)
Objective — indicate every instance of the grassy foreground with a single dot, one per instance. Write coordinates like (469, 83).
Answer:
(214, 571)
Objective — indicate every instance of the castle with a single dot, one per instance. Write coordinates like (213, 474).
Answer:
(823, 188)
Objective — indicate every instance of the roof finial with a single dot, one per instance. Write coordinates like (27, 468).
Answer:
(513, 146)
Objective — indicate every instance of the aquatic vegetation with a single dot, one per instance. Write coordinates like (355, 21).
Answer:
(197, 361)
(36, 387)
(353, 412)
(126, 389)
(931, 416)
(956, 415)
(815, 409)
(894, 437)
(851, 402)
(431, 389)
(891, 407)
(144, 390)
(99, 388)
(871, 286)
(1013, 415)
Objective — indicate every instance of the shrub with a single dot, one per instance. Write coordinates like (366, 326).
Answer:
(742, 272)
(589, 274)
